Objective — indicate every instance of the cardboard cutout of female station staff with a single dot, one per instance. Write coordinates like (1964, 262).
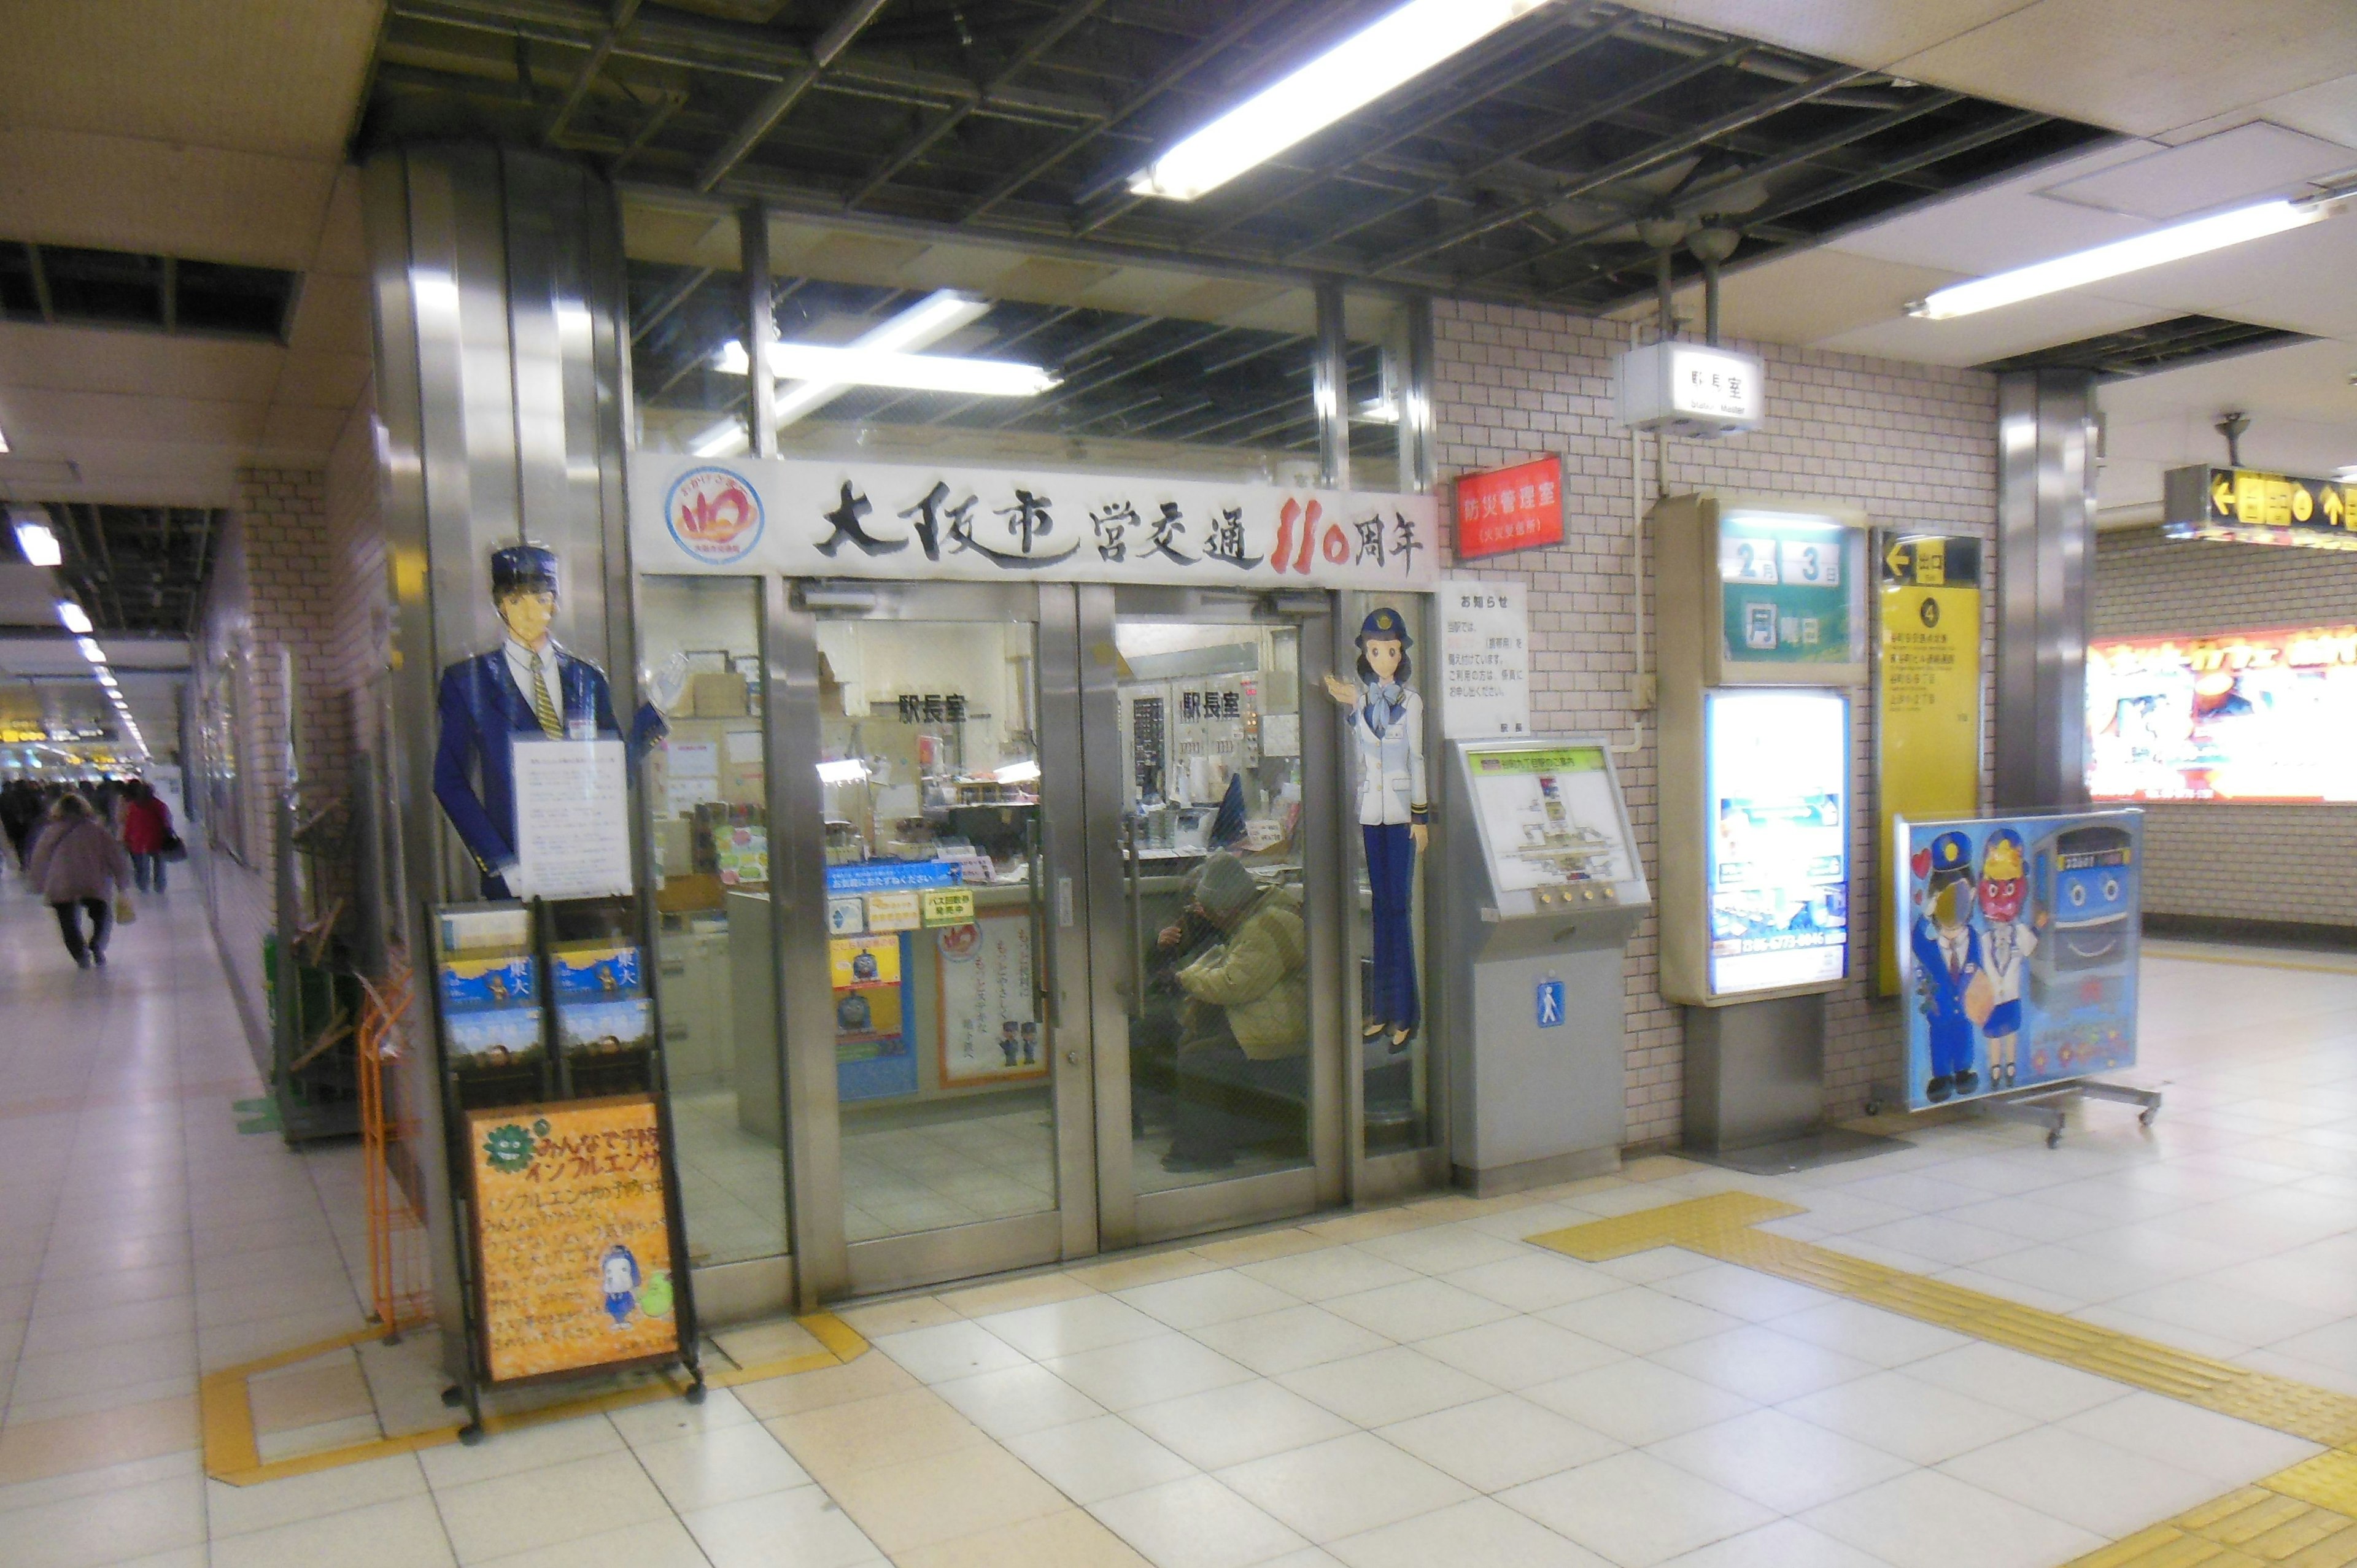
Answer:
(1386, 721)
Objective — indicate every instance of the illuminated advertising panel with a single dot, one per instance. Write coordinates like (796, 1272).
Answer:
(1776, 784)
(2249, 716)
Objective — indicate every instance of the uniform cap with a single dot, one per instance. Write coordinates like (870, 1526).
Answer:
(523, 569)
(1950, 851)
(1385, 625)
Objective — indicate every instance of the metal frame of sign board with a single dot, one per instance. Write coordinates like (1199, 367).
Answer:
(556, 1089)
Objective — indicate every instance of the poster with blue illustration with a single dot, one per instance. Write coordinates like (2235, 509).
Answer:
(2017, 947)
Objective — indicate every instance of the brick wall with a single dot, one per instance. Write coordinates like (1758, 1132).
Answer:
(1913, 444)
(2233, 862)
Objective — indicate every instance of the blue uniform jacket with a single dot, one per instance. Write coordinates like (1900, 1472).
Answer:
(482, 713)
(1944, 996)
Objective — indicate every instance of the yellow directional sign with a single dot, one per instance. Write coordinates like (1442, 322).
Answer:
(2248, 506)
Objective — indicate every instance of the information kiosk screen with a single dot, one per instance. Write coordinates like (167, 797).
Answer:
(1777, 862)
(1548, 817)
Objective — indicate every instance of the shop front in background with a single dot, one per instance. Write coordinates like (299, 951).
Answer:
(1011, 900)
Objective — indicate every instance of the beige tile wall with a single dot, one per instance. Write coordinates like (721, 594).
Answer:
(1914, 444)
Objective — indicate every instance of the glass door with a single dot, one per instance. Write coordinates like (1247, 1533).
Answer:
(936, 1076)
(1214, 917)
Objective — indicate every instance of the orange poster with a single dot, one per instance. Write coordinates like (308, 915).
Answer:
(571, 1237)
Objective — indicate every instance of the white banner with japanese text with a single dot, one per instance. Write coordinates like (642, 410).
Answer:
(822, 518)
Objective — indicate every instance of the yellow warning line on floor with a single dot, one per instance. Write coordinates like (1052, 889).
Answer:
(233, 1453)
(1722, 1227)
(2305, 1517)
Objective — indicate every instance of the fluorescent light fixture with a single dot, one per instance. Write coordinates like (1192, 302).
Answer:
(724, 439)
(2347, 475)
(38, 544)
(886, 367)
(1353, 73)
(850, 770)
(1018, 773)
(2174, 243)
(3, 443)
(91, 649)
(77, 620)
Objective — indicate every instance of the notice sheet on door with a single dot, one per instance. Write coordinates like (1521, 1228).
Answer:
(989, 1032)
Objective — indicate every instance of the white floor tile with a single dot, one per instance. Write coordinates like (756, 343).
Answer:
(1144, 1371)
(2227, 1450)
(1930, 1519)
(2013, 1381)
(1385, 1386)
(555, 1503)
(1494, 1444)
(801, 1527)
(1780, 1461)
(1286, 1341)
(404, 1534)
(1919, 1421)
(1640, 1320)
(1198, 1301)
(1069, 1327)
(951, 1351)
(1195, 1523)
(1638, 1402)
(1787, 1544)
(1518, 1352)
(720, 1467)
(1102, 1457)
(1635, 1510)
(1475, 1531)
(1018, 1400)
(1343, 1487)
(1235, 1424)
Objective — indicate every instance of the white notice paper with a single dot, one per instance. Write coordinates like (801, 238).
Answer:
(1485, 659)
(573, 827)
(744, 745)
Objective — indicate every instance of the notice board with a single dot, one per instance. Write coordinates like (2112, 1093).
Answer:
(572, 1239)
(1927, 688)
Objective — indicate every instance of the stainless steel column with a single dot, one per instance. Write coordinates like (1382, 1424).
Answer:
(760, 331)
(2046, 522)
(1330, 388)
(502, 396)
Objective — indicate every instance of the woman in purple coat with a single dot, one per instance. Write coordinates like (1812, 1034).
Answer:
(78, 865)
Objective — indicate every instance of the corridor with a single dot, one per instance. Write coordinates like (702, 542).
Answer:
(1408, 1386)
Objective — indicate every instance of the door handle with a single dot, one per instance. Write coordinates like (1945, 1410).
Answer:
(1136, 997)
(1043, 928)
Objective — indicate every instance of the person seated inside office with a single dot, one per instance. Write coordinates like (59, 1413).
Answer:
(1242, 1065)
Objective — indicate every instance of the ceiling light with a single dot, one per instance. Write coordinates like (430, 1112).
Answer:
(886, 367)
(91, 649)
(921, 325)
(3, 443)
(1346, 78)
(38, 544)
(1024, 772)
(850, 770)
(2173, 243)
(76, 619)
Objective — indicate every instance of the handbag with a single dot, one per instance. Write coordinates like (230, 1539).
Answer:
(125, 911)
(174, 850)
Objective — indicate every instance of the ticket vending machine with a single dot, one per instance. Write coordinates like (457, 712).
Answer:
(1544, 888)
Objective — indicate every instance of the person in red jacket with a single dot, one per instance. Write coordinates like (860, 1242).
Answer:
(146, 825)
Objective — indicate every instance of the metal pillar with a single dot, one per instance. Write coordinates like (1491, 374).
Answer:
(502, 390)
(1416, 433)
(1330, 388)
(2046, 522)
(760, 331)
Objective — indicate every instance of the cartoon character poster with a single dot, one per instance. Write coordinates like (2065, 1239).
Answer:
(2018, 942)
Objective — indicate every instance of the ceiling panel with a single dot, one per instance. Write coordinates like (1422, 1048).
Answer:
(76, 359)
(67, 188)
(2304, 381)
(262, 76)
(66, 421)
(2249, 163)
(1861, 32)
(332, 315)
(2002, 226)
(322, 380)
(2300, 280)
(308, 434)
(1816, 295)
(2146, 66)
(2326, 110)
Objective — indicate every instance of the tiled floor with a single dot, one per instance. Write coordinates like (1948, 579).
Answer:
(1415, 1386)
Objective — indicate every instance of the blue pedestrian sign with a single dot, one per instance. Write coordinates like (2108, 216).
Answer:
(1550, 1004)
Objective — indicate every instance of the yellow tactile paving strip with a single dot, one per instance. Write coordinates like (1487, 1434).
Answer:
(2305, 1517)
(233, 1452)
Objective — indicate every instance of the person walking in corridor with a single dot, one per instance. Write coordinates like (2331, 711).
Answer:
(146, 829)
(77, 864)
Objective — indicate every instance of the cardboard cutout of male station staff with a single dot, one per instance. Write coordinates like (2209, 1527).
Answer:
(1386, 721)
(527, 686)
